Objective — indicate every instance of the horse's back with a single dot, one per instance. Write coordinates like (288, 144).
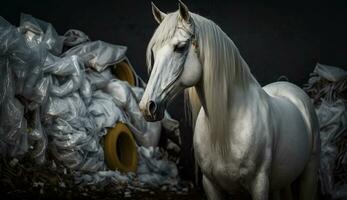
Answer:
(297, 131)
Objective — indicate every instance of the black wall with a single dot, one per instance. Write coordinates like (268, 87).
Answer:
(276, 39)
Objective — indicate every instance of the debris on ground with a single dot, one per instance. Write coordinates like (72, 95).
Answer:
(327, 88)
(58, 97)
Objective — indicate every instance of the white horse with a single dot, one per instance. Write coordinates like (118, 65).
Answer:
(247, 139)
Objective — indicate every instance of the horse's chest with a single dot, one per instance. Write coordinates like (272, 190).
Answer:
(229, 175)
(230, 170)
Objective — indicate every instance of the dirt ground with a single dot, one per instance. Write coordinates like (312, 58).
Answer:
(24, 180)
(105, 195)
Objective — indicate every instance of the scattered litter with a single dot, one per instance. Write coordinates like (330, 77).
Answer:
(58, 97)
(127, 194)
(13, 162)
(327, 87)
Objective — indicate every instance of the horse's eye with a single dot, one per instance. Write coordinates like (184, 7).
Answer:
(179, 48)
(152, 58)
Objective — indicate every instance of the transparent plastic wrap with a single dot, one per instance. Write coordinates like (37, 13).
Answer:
(76, 149)
(68, 70)
(146, 133)
(327, 87)
(12, 43)
(64, 103)
(86, 91)
(98, 80)
(330, 73)
(24, 61)
(38, 139)
(74, 37)
(326, 82)
(14, 127)
(78, 114)
(154, 169)
(104, 110)
(333, 123)
(39, 32)
(103, 178)
(12, 122)
(98, 54)
(75, 141)
(172, 127)
(7, 86)
(68, 108)
(40, 93)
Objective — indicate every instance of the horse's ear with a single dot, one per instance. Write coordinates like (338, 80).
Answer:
(184, 12)
(158, 15)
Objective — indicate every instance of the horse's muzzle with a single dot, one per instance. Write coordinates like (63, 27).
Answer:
(152, 111)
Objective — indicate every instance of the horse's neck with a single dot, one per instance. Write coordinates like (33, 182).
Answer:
(244, 97)
(244, 103)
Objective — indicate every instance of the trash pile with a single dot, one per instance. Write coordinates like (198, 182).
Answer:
(327, 88)
(58, 97)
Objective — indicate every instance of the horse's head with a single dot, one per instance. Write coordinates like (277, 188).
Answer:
(172, 60)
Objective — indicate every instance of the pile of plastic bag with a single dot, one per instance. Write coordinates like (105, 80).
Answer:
(327, 87)
(58, 96)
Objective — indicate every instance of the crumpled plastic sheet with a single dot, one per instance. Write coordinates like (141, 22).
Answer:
(127, 99)
(14, 48)
(74, 37)
(326, 82)
(13, 125)
(330, 73)
(27, 57)
(76, 130)
(98, 54)
(146, 133)
(99, 80)
(103, 178)
(70, 101)
(38, 139)
(86, 91)
(38, 32)
(68, 70)
(154, 170)
(104, 110)
(12, 122)
(327, 88)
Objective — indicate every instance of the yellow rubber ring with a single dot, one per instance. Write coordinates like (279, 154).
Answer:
(123, 72)
(120, 149)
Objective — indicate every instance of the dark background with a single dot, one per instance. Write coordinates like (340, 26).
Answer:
(286, 38)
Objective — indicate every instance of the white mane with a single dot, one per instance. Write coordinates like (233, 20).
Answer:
(247, 134)
(222, 64)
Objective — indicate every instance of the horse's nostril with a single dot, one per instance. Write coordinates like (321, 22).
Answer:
(152, 107)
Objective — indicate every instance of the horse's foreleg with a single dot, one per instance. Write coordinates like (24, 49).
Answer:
(287, 193)
(211, 190)
(260, 184)
(260, 187)
(283, 194)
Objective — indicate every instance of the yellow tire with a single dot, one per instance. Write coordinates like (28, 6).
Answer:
(123, 72)
(120, 149)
